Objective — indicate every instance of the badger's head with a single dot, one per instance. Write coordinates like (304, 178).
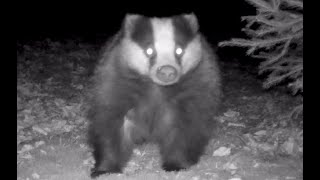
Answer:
(163, 49)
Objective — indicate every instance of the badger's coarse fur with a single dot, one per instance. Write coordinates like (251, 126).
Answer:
(157, 80)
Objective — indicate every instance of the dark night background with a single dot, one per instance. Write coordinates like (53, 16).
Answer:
(218, 21)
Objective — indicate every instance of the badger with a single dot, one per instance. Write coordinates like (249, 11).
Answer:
(157, 81)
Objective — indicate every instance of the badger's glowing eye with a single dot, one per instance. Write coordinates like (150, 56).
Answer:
(179, 51)
(149, 51)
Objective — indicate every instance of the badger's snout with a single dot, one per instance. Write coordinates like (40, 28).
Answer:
(167, 73)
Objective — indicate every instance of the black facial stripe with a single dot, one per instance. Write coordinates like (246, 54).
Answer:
(183, 32)
(152, 61)
(178, 57)
(142, 32)
(153, 56)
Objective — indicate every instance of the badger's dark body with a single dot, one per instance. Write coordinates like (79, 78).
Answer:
(179, 117)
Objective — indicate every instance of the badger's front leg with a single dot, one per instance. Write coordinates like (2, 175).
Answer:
(107, 136)
(183, 135)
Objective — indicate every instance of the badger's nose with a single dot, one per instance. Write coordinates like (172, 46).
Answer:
(167, 73)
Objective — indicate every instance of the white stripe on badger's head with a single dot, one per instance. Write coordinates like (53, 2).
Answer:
(164, 45)
(163, 49)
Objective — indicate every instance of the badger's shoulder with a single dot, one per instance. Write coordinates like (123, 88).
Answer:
(109, 46)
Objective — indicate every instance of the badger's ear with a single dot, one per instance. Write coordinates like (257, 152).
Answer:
(193, 21)
(129, 22)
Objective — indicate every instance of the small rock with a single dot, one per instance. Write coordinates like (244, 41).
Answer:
(68, 128)
(222, 119)
(222, 151)
(236, 124)
(88, 161)
(289, 177)
(289, 146)
(80, 120)
(59, 124)
(79, 87)
(236, 178)
(300, 149)
(244, 97)
(47, 129)
(233, 172)
(43, 152)
(261, 133)
(26, 156)
(26, 148)
(266, 147)
(39, 130)
(195, 178)
(83, 146)
(35, 176)
(232, 166)
(256, 165)
(39, 143)
(231, 114)
(137, 152)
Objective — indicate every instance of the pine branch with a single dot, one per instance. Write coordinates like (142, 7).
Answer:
(297, 26)
(259, 4)
(274, 79)
(268, 22)
(236, 42)
(294, 3)
(255, 43)
(249, 19)
(278, 27)
(296, 86)
(275, 4)
(277, 67)
(273, 68)
(296, 111)
(277, 57)
(263, 18)
(285, 64)
(261, 56)
(263, 32)
(251, 50)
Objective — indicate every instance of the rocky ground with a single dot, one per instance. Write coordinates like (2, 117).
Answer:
(257, 137)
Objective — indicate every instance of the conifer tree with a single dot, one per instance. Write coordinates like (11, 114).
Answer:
(275, 35)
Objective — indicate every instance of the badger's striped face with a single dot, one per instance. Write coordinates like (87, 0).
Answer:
(163, 49)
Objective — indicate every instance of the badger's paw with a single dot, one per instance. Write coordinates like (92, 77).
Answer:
(95, 172)
(171, 166)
